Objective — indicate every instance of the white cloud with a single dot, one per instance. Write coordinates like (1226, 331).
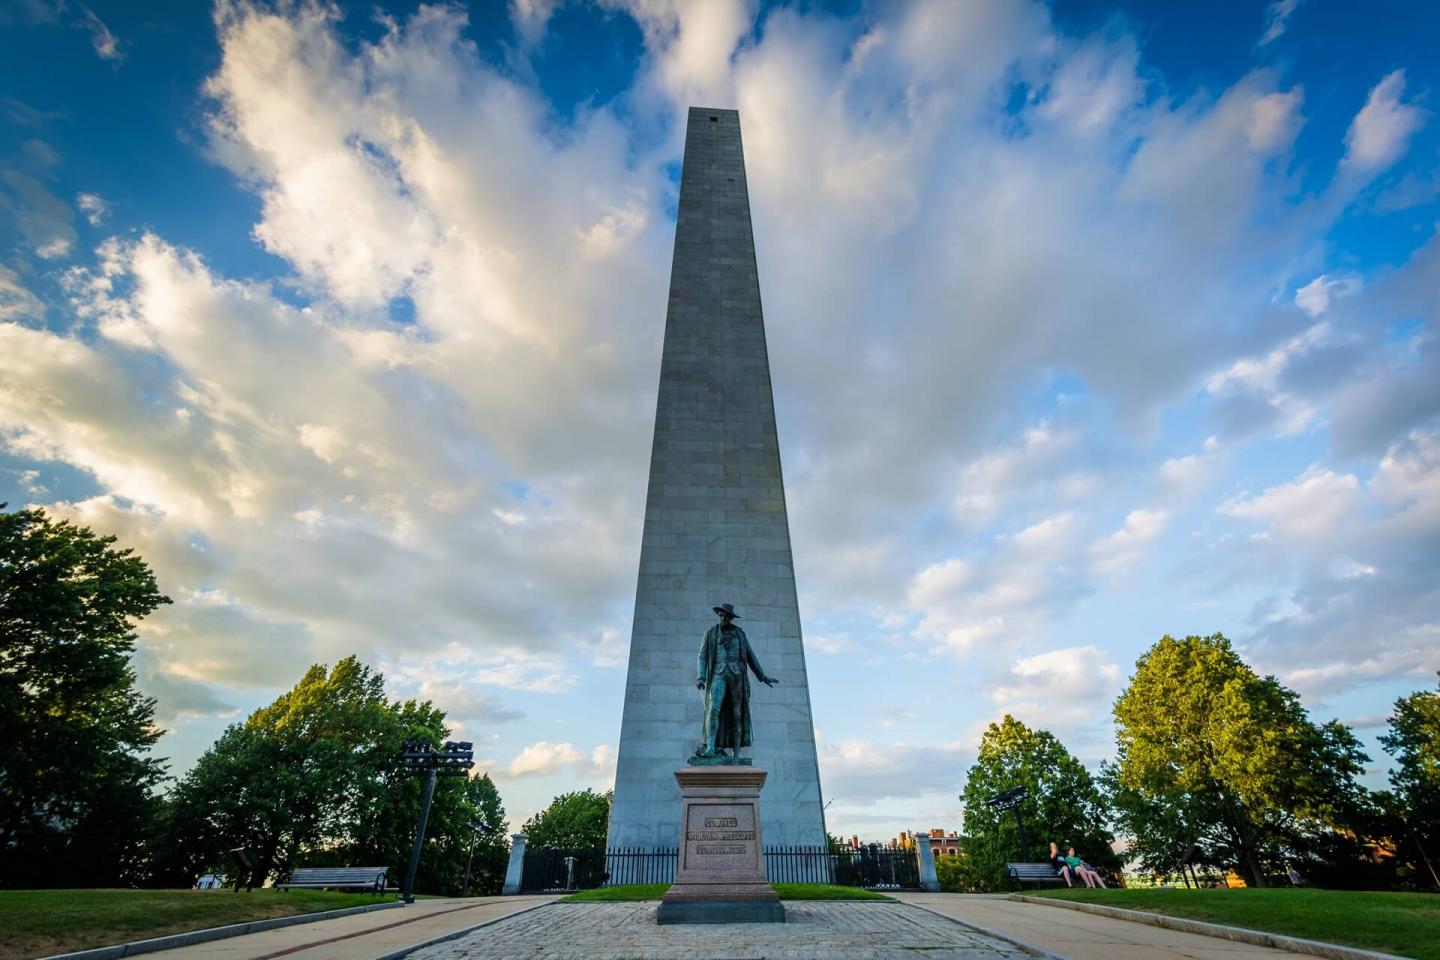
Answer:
(1382, 129)
(78, 15)
(531, 16)
(1117, 552)
(1094, 87)
(965, 407)
(830, 643)
(1048, 460)
(1180, 479)
(462, 702)
(1251, 393)
(1312, 508)
(45, 221)
(1066, 691)
(546, 757)
(93, 206)
(1317, 295)
(1355, 567)
(1007, 598)
(16, 301)
(102, 41)
(1277, 19)
(865, 772)
(691, 45)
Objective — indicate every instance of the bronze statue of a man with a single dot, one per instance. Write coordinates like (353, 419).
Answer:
(723, 672)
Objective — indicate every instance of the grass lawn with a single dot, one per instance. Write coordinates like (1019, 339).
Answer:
(36, 923)
(1404, 923)
(787, 891)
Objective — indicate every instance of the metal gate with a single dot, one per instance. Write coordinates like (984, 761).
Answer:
(878, 867)
(549, 869)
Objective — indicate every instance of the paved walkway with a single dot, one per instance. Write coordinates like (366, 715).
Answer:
(1083, 936)
(811, 931)
(361, 936)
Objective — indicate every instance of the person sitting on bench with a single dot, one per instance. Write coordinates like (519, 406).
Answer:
(1083, 870)
(1062, 869)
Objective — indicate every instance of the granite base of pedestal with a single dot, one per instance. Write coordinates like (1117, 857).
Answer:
(720, 877)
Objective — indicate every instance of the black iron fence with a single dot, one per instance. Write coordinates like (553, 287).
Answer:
(799, 865)
(638, 865)
(875, 866)
(878, 867)
(547, 869)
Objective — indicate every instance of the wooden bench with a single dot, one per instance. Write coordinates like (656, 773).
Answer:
(336, 878)
(1036, 873)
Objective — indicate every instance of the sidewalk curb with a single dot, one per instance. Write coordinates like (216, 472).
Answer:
(457, 934)
(1025, 945)
(192, 937)
(1258, 938)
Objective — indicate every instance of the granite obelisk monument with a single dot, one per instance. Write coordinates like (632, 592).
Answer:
(716, 529)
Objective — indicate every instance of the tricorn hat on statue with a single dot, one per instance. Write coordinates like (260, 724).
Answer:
(727, 608)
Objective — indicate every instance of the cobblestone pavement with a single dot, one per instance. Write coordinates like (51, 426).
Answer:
(610, 931)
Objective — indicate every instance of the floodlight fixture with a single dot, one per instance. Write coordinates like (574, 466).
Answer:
(1011, 800)
(1008, 799)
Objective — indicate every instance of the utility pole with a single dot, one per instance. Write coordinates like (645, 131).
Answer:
(418, 756)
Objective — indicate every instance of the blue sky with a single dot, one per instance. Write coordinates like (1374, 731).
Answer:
(1088, 323)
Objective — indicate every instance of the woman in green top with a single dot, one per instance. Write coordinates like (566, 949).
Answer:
(1083, 870)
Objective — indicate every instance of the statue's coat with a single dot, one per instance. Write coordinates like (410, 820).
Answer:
(705, 671)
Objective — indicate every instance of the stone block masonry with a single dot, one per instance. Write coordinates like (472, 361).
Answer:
(715, 523)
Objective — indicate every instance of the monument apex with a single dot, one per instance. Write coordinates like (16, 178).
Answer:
(716, 530)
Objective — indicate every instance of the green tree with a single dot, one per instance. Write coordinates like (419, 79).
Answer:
(572, 821)
(1414, 741)
(492, 846)
(75, 781)
(315, 779)
(1064, 805)
(1209, 752)
(950, 871)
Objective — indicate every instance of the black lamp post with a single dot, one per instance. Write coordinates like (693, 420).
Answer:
(475, 829)
(419, 757)
(1011, 800)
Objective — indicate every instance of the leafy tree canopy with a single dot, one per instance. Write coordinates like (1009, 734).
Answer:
(1064, 806)
(75, 784)
(1209, 752)
(1414, 741)
(573, 820)
(315, 779)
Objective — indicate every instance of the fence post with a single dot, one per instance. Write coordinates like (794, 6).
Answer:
(929, 879)
(515, 871)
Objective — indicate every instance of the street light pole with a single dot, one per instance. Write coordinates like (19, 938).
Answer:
(408, 894)
(475, 829)
(453, 760)
(1011, 800)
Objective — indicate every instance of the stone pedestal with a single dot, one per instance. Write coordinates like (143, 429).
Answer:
(721, 874)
